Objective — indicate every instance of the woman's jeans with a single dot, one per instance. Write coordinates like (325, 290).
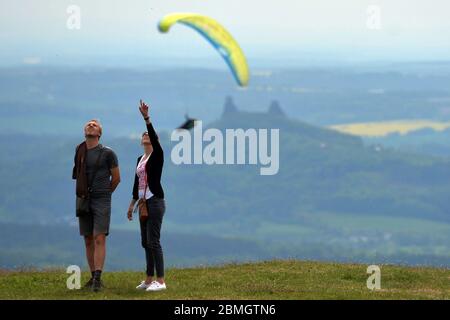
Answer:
(150, 235)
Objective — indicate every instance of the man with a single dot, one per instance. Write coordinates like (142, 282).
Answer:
(97, 175)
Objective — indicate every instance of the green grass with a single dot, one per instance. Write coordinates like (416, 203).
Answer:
(276, 279)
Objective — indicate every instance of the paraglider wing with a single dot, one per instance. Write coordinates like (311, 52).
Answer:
(217, 35)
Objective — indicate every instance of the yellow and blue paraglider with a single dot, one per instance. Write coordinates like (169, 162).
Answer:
(217, 35)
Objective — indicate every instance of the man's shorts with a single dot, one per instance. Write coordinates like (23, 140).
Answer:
(97, 222)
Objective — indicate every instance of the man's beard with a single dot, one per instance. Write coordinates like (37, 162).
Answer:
(91, 136)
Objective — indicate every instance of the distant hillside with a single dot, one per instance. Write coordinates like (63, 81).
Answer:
(275, 117)
(320, 171)
(289, 279)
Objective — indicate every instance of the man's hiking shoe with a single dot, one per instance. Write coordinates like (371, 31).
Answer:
(97, 285)
(88, 285)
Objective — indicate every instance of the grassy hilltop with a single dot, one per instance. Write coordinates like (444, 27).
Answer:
(276, 279)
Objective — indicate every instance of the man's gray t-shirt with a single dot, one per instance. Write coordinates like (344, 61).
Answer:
(101, 186)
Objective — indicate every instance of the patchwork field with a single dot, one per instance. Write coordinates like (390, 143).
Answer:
(379, 129)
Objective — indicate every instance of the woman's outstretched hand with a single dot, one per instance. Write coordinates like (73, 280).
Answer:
(143, 108)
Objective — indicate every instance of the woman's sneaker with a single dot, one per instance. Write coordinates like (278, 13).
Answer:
(156, 286)
(143, 285)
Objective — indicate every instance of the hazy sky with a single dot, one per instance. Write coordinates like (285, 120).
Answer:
(35, 31)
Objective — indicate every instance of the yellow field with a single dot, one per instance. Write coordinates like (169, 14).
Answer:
(379, 129)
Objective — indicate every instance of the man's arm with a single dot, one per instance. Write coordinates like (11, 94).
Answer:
(115, 178)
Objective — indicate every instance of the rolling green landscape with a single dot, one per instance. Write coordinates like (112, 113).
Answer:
(336, 197)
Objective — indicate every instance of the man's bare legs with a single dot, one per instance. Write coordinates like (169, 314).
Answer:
(90, 249)
(95, 254)
(95, 251)
(100, 251)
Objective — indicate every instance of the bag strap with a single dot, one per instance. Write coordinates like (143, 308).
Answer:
(145, 190)
(95, 170)
(145, 175)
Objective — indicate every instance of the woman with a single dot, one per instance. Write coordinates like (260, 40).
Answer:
(147, 186)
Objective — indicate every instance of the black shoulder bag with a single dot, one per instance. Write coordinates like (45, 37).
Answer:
(83, 205)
